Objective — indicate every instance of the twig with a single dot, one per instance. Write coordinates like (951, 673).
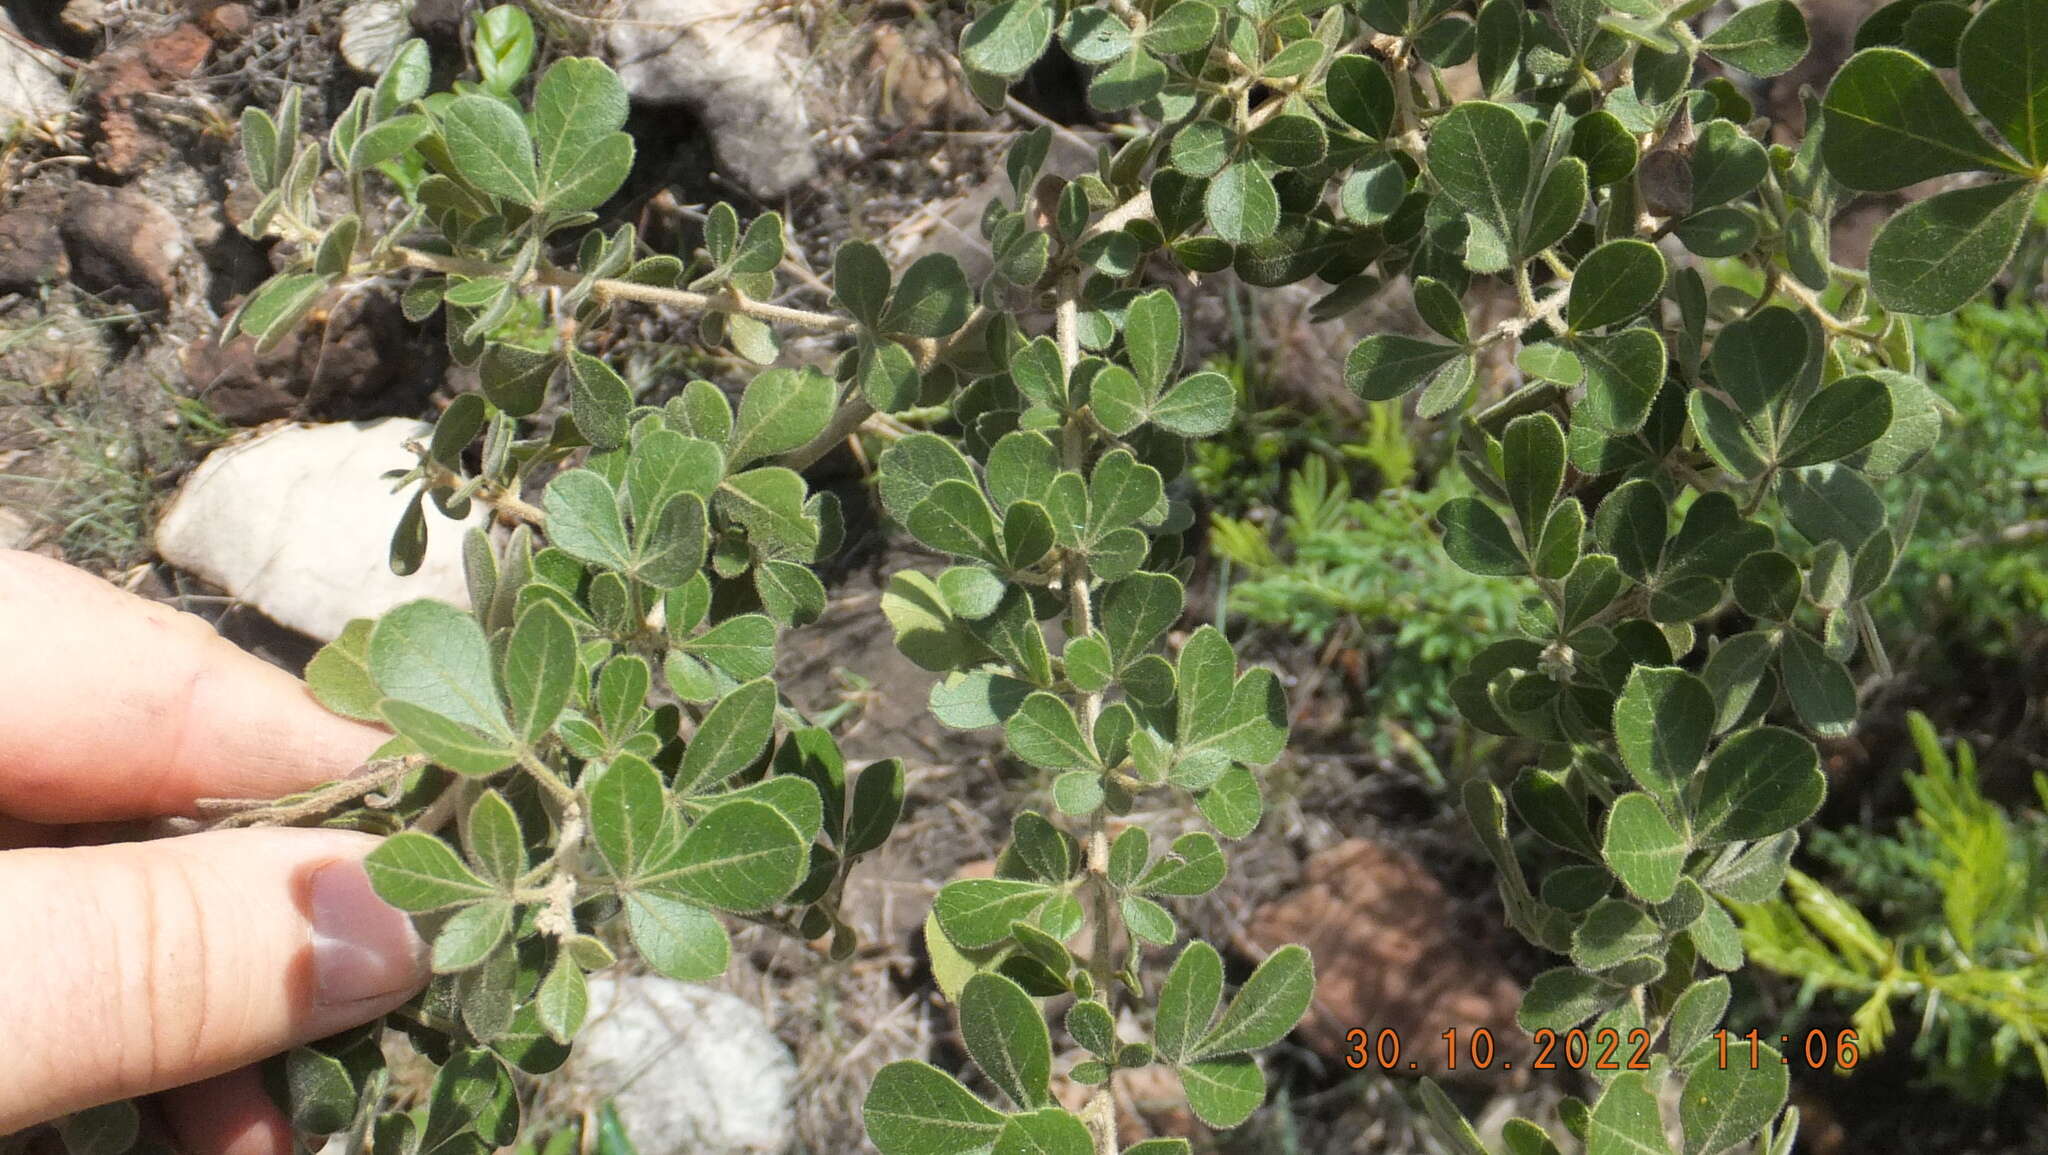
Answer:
(854, 410)
(1023, 111)
(507, 502)
(1137, 207)
(1100, 1113)
(441, 809)
(368, 778)
(617, 290)
(1828, 320)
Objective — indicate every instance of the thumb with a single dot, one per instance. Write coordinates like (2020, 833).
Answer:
(143, 966)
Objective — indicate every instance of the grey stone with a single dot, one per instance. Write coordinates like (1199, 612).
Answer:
(732, 64)
(295, 520)
(31, 248)
(690, 1069)
(439, 20)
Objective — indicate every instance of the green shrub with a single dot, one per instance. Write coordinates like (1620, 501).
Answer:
(598, 755)
(1975, 573)
(1956, 929)
(1370, 575)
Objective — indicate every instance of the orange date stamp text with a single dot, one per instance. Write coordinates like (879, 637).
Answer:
(1600, 1049)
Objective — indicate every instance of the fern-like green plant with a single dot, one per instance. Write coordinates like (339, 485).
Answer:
(1368, 576)
(1958, 930)
(1975, 578)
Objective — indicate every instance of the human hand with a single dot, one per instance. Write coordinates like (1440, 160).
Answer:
(138, 967)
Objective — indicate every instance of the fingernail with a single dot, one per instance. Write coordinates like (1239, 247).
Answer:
(363, 948)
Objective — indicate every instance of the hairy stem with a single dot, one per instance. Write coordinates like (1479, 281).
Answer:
(852, 411)
(1100, 1113)
(508, 502)
(1833, 324)
(369, 778)
(616, 290)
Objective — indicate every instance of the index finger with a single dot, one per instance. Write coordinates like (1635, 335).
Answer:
(113, 707)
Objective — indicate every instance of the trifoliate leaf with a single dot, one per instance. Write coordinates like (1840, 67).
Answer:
(1266, 1008)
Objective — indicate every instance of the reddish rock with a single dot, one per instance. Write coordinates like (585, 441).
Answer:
(1390, 956)
(123, 82)
(177, 54)
(346, 360)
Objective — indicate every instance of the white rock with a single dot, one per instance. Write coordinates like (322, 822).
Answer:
(15, 530)
(30, 89)
(690, 1069)
(735, 65)
(296, 520)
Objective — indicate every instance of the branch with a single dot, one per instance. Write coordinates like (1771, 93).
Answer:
(608, 289)
(1137, 208)
(368, 778)
(1549, 311)
(1828, 320)
(1100, 1114)
(854, 410)
(509, 503)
